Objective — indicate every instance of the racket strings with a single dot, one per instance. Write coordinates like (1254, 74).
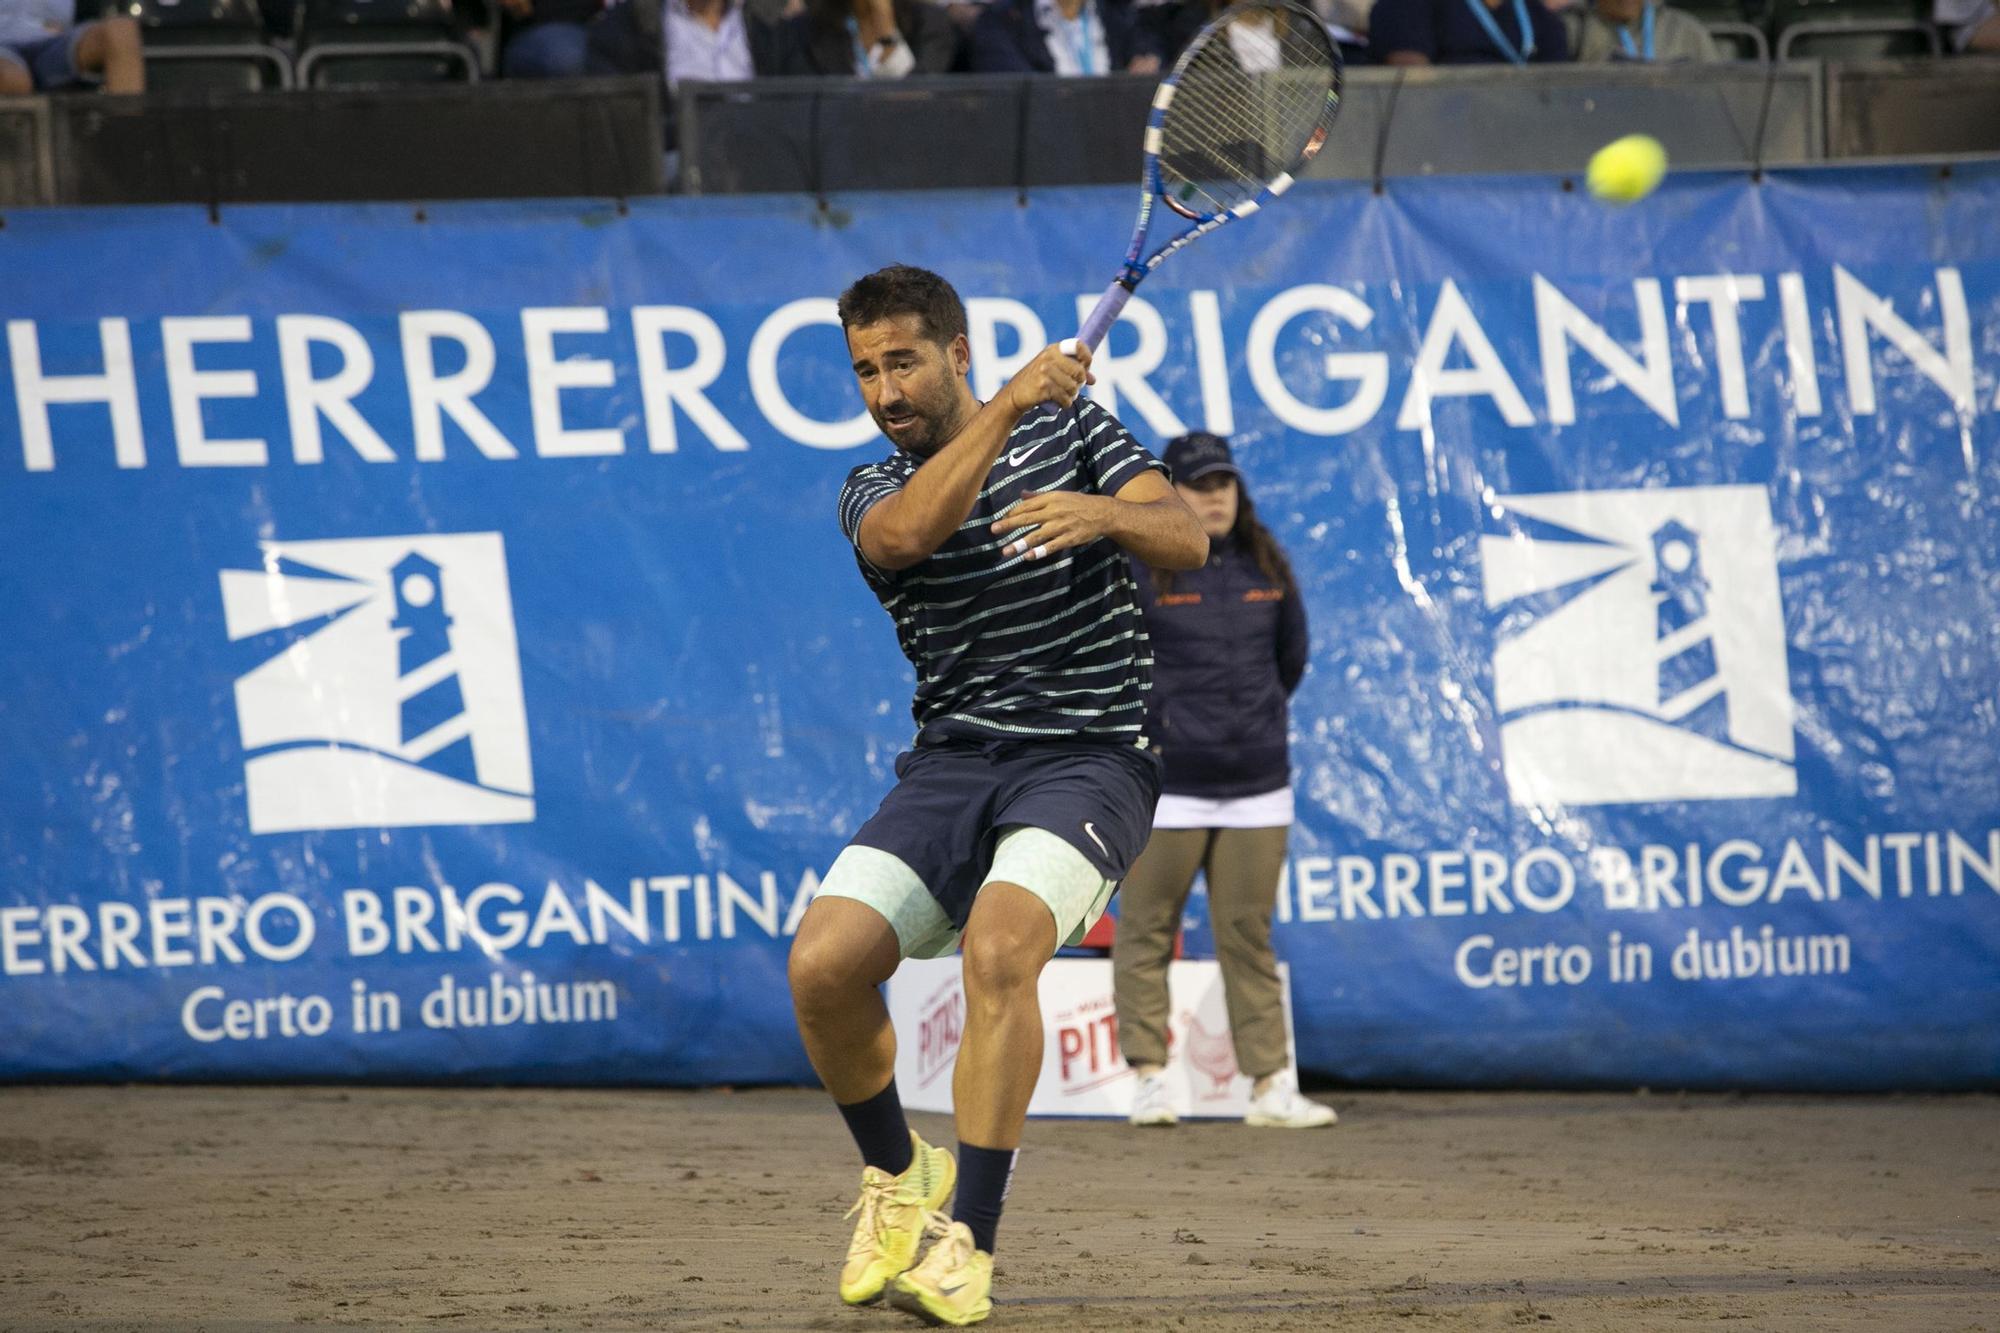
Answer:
(1248, 108)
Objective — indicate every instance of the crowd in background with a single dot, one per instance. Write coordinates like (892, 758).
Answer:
(43, 46)
(720, 40)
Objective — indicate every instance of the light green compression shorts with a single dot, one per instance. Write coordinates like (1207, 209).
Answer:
(1037, 860)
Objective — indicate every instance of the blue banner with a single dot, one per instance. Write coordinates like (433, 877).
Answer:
(427, 650)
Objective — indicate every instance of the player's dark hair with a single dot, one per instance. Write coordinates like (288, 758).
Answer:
(1250, 533)
(901, 289)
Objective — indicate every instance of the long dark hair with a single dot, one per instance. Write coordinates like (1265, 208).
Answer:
(1250, 533)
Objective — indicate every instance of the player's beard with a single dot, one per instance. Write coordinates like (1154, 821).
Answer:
(932, 423)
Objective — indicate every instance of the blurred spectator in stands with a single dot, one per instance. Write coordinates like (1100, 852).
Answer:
(545, 39)
(705, 41)
(870, 39)
(720, 41)
(1175, 22)
(43, 47)
(964, 15)
(1068, 37)
(1347, 18)
(1465, 32)
(1638, 30)
(1969, 25)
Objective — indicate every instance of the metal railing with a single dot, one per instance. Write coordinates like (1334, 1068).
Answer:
(817, 136)
(606, 137)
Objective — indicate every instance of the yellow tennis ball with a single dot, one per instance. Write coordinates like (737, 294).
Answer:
(1627, 169)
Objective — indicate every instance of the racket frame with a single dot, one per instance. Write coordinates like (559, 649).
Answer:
(1152, 183)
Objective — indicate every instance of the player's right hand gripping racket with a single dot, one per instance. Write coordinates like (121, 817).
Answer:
(1244, 108)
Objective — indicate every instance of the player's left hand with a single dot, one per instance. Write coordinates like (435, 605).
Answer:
(1055, 521)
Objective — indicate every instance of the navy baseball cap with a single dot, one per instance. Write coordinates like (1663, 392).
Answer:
(1199, 454)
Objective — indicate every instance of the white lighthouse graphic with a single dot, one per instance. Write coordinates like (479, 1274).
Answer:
(391, 693)
(1640, 646)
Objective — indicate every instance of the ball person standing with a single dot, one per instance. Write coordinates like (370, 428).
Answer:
(1229, 647)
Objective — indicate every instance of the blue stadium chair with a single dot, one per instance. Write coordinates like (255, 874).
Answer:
(350, 42)
(1854, 29)
(202, 44)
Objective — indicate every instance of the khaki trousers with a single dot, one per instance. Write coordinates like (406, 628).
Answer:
(1243, 867)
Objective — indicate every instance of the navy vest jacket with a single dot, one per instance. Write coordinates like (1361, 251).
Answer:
(1229, 647)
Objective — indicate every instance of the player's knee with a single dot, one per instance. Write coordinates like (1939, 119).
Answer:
(821, 974)
(807, 970)
(1001, 960)
(15, 80)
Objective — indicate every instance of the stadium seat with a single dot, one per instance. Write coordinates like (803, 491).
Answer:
(1712, 12)
(200, 44)
(1853, 29)
(1739, 40)
(1733, 24)
(281, 20)
(349, 42)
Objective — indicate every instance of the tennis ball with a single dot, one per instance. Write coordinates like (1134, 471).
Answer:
(1626, 170)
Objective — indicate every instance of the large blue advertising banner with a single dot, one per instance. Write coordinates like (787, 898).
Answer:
(427, 650)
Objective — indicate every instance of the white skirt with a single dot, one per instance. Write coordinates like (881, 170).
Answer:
(1270, 809)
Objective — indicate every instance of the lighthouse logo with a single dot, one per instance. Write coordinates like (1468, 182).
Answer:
(1640, 646)
(385, 689)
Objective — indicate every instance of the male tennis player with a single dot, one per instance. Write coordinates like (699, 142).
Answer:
(996, 537)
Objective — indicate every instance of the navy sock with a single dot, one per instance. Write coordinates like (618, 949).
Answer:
(983, 1177)
(879, 1130)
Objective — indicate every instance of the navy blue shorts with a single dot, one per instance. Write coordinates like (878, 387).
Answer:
(951, 802)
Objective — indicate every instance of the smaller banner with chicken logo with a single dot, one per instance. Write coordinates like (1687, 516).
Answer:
(1083, 1073)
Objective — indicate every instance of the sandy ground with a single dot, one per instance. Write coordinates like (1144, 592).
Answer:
(253, 1208)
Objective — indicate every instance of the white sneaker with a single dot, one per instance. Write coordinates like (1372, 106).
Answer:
(1151, 1104)
(1281, 1106)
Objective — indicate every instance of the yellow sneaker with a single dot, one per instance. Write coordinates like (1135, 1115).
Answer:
(891, 1226)
(954, 1282)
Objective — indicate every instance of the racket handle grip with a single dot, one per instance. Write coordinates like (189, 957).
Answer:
(1100, 320)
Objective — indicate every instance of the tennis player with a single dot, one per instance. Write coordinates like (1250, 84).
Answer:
(996, 536)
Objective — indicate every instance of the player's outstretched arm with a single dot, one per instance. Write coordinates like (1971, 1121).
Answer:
(915, 521)
(1147, 517)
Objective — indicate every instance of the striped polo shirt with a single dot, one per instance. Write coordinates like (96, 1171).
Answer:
(1008, 648)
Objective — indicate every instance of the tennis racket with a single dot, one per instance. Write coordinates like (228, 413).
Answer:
(1245, 107)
